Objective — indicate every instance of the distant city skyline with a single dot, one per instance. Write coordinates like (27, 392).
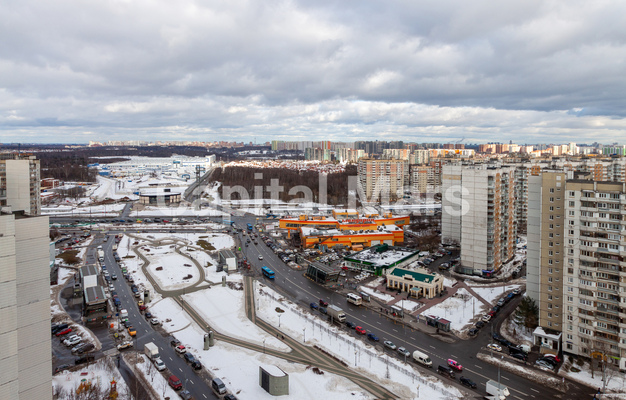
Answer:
(531, 72)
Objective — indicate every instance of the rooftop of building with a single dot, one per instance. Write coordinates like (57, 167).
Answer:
(420, 275)
(95, 295)
(382, 254)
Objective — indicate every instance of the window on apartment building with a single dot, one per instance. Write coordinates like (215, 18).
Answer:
(551, 199)
(549, 270)
(570, 308)
(550, 244)
(551, 217)
(570, 241)
(571, 222)
(551, 208)
(571, 232)
(549, 297)
(571, 193)
(549, 288)
(550, 262)
(551, 226)
(551, 190)
(570, 271)
(551, 234)
(549, 323)
(571, 213)
(550, 253)
(550, 279)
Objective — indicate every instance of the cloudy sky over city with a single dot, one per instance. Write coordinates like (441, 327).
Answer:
(478, 71)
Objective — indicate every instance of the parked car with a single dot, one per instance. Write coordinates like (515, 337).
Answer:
(189, 357)
(467, 382)
(125, 345)
(181, 349)
(159, 364)
(544, 364)
(84, 359)
(197, 365)
(473, 332)
(480, 324)
(174, 382)
(83, 348)
(486, 318)
(132, 331)
(59, 327)
(62, 367)
(67, 341)
(63, 332)
(500, 302)
(185, 394)
(519, 356)
(175, 342)
(494, 347)
(230, 396)
(372, 337)
(360, 330)
(313, 306)
(549, 360)
(516, 291)
(350, 324)
(154, 321)
(323, 310)
(390, 345)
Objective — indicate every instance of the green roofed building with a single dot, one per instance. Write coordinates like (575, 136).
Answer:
(379, 258)
(419, 282)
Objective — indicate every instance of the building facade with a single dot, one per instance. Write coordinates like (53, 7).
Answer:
(20, 183)
(382, 180)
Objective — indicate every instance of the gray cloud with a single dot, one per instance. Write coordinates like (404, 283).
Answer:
(541, 71)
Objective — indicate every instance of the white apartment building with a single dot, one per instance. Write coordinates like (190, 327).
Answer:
(26, 356)
(478, 212)
(20, 183)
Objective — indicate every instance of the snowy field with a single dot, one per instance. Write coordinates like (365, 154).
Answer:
(381, 296)
(173, 271)
(181, 211)
(224, 308)
(457, 309)
(493, 293)
(300, 325)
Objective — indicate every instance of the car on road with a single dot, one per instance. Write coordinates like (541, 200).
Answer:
(114, 277)
(468, 382)
(500, 302)
(154, 321)
(404, 352)
(486, 318)
(260, 257)
(494, 347)
(72, 341)
(519, 356)
(63, 332)
(185, 394)
(59, 327)
(181, 349)
(480, 324)
(230, 396)
(143, 307)
(189, 357)
(360, 330)
(388, 344)
(323, 303)
(132, 331)
(174, 382)
(473, 332)
(350, 324)
(323, 310)
(175, 342)
(313, 306)
(148, 315)
(544, 364)
(549, 360)
(127, 324)
(197, 365)
(553, 356)
(516, 291)
(125, 345)
(455, 365)
(372, 337)
(159, 364)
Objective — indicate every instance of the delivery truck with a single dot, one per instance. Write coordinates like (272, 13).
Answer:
(496, 391)
(151, 350)
(336, 313)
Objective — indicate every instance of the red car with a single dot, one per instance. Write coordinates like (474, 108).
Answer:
(360, 330)
(175, 383)
(492, 313)
(64, 332)
(323, 303)
(142, 307)
(455, 365)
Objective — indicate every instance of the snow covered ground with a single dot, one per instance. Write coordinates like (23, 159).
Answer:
(458, 309)
(109, 210)
(154, 377)
(493, 293)
(99, 374)
(166, 270)
(181, 211)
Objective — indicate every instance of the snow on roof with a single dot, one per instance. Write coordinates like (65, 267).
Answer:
(273, 370)
(378, 256)
(540, 332)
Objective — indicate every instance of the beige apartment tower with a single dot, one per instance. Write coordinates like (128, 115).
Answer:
(20, 183)
(382, 180)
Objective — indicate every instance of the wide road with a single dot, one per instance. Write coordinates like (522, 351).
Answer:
(300, 289)
(176, 365)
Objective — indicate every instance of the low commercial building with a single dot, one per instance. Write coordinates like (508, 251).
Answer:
(274, 380)
(314, 237)
(322, 273)
(228, 260)
(380, 258)
(96, 306)
(159, 196)
(418, 283)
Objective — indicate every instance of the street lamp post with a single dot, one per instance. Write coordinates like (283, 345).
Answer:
(263, 346)
(304, 335)
(355, 358)
(279, 315)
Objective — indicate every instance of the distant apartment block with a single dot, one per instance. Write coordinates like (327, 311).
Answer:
(20, 183)
(382, 180)
(478, 212)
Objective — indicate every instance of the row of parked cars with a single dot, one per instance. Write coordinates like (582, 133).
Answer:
(74, 341)
(493, 312)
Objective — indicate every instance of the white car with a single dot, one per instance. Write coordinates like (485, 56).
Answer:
(159, 364)
(72, 340)
(260, 257)
(493, 346)
(389, 345)
(486, 318)
(404, 352)
(154, 321)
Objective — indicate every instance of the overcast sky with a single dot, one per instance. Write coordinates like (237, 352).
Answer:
(527, 71)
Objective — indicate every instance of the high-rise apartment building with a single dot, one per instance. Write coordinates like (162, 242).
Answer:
(382, 180)
(576, 262)
(20, 183)
(421, 175)
(478, 212)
